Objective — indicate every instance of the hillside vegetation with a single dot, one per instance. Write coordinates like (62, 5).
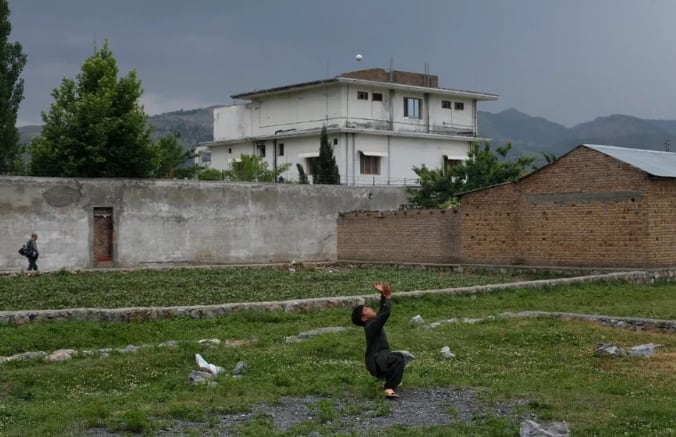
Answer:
(528, 134)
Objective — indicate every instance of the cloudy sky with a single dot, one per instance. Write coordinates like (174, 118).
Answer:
(567, 60)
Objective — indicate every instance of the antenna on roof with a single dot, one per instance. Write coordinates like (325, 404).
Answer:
(391, 69)
(427, 75)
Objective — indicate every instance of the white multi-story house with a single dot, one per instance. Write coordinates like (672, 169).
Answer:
(380, 123)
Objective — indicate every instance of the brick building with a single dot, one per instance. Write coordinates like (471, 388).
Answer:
(600, 206)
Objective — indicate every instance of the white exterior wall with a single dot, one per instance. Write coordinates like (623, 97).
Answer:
(407, 152)
(232, 122)
(294, 118)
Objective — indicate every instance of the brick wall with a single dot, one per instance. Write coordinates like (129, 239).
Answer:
(402, 77)
(586, 209)
(421, 236)
(660, 201)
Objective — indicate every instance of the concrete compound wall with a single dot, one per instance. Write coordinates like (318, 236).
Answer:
(161, 222)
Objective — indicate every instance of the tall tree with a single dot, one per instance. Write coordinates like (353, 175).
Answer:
(168, 155)
(326, 169)
(12, 61)
(483, 168)
(96, 126)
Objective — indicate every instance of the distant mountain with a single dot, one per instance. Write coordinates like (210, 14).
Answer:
(536, 135)
(528, 134)
(192, 126)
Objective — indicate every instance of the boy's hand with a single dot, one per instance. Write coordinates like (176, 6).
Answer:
(383, 288)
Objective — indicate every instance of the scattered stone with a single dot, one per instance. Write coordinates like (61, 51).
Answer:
(530, 428)
(210, 341)
(471, 321)
(128, 348)
(609, 349)
(197, 377)
(433, 325)
(446, 353)
(237, 343)
(61, 355)
(170, 343)
(307, 334)
(27, 356)
(417, 320)
(239, 368)
(642, 350)
(206, 367)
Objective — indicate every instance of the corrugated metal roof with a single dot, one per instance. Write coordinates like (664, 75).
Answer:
(653, 162)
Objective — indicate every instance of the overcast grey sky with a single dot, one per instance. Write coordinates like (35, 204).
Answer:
(569, 61)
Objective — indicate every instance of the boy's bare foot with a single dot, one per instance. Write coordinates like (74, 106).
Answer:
(390, 394)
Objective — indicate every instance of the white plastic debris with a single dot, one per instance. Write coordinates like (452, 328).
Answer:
(206, 367)
(609, 349)
(446, 353)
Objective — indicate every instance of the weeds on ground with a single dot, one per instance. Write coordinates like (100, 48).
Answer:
(180, 287)
(546, 365)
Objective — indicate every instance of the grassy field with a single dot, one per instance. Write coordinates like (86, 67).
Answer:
(215, 286)
(546, 365)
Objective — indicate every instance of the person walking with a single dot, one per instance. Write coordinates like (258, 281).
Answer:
(32, 252)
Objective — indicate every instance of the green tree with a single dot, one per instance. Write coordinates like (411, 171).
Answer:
(326, 170)
(168, 155)
(483, 168)
(96, 126)
(12, 61)
(251, 168)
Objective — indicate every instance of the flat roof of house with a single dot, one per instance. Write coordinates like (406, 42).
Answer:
(653, 162)
(375, 77)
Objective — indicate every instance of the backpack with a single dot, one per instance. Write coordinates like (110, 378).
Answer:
(27, 251)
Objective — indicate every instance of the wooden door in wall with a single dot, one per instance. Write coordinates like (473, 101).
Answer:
(103, 235)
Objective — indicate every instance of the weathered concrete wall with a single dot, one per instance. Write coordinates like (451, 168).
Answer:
(158, 222)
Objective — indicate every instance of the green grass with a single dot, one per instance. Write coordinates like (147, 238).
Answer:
(547, 363)
(215, 286)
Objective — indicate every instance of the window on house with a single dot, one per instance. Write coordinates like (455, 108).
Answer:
(335, 141)
(229, 149)
(260, 149)
(369, 164)
(280, 149)
(412, 107)
(377, 97)
(446, 104)
(362, 95)
(449, 163)
(459, 106)
(205, 157)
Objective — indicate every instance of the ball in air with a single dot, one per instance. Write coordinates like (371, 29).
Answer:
(359, 57)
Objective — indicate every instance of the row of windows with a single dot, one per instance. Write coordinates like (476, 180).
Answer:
(412, 106)
(367, 164)
(363, 95)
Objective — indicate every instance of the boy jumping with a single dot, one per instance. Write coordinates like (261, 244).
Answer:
(380, 362)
